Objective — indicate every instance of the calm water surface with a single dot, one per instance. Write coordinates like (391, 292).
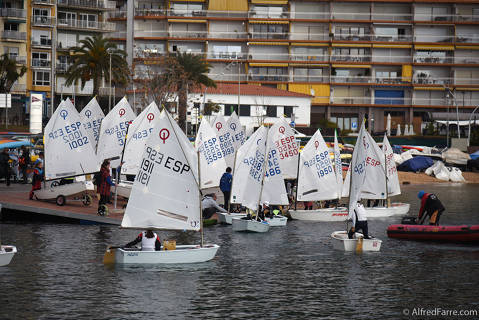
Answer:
(288, 273)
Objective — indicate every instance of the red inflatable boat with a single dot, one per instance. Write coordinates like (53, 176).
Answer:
(463, 233)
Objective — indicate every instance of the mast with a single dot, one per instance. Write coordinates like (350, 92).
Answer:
(234, 167)
(297, 183)
(121, 163)
(386, 177)
(266, 153)
(199, 198)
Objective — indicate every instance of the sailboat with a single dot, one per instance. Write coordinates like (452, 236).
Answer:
(69, 152)
(317, 180)
(250, 167)
(165, 196)
(366, 161)
(6, 251)
(91, 117)
(138, 132)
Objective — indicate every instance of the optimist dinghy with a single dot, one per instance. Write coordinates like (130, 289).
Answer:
(165, 196)
(6, 254)
(358, 243)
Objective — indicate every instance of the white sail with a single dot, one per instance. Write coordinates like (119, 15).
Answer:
(237, 131)
(138, 132)
(317, 180)
(375, 184)
(69, 150)
(165, 193)
(338, 165)
(274, 189)
(91, 117)
(358, 170)
(283, 138)
(242, 167)
(113, 131)
(225, 138)
(394, 187)
(212, 161)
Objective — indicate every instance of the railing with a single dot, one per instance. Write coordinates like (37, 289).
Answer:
(41, 63)
(351, 79)
(14, 35)
(430, 101)
(434, 17)
(227, 77)
(309, 36)
(226, 55)
(467, 17)
(389, 80)
(95, 4)
(353, 37)
(117, 14)
(310, 15)
(308, 57)
(467, 38)
(19, 87)
(43, 1)
(469, 81)
(268, 35)
(392, 16)
(433, 59)
(150, 12)
(187, 13)
(62, 67)
(43, 21)
(351, 16)
(391, 58)
(83, 24)
(149, 53)
(418, 79)
(228, 35)
(430, 38)
(42, 42)
(119, 34)
(66, 44)
(350, 100)
(269, 77)
(397, 38)
(151, 34)
(466, 60)
(13, 12)
(188, 34)
(269, 15)
(351, 58)
(390, 100)
(309, 78)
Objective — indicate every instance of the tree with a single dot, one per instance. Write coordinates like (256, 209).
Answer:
(9, 73)
(181, 72)
(91, 61)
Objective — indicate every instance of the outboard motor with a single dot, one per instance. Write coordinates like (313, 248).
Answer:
(409, 220)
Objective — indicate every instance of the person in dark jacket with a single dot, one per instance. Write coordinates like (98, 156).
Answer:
(24, 164)
(430, 206)
(37, 179)
(149, 241)
(104, 184)
(5, 166)
(225, 186)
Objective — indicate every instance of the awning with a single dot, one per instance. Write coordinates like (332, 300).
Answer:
(226, 5)
(358, 66)
(269, 1)
(433, 47)
(309, 44)
(254, 64)
(308, 65)
(187, 21)
(430, 88)
(352, 45)
(468, 47)
(461, 122)
(269, 22)
(392, 46)
(269, 43)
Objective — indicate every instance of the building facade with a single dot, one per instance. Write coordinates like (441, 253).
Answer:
(358, 59)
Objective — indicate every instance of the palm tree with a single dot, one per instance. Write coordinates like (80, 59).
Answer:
(9, 73)
(91, 61)
(182, 72)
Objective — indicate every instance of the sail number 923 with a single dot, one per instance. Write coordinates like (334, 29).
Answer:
(153, 158)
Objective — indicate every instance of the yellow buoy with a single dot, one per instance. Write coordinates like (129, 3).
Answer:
(109, 257)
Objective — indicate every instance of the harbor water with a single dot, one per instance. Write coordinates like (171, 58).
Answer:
(288, 273)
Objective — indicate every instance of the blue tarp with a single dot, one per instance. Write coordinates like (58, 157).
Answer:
(475, 155)
(14, 144)
(416, 164)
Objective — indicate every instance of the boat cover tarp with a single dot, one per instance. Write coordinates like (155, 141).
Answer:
(11, 144)
(416, 164)
(475, 155)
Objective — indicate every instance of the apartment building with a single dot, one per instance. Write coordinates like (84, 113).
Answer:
(13, 41)
(356, 58)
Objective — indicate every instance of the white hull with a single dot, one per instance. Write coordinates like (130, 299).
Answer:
(343, 243)
(326, 214)
(341, 213)
(250, 225)
(182, 254)
(52, 191)
(226, 218)
(277, 221)
(6, 254)
(124, 189)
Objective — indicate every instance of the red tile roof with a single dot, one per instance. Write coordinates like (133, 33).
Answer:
(250, 90)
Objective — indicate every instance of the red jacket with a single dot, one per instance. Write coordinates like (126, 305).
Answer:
(105, 182)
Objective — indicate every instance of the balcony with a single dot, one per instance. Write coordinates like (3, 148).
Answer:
(389, 80)
(309, 57)
(87, 4)
(466, 60)
(269, 15)
(392, 38)
(351, 16)
(117, 14)
(43, 2)
(65, 45)
(466, 81)
(269, 77)
(420, 59)
(62, 67)
(434, 17)
(188, 34)
(187, 13)
(149, 34)
(42, 42)
(88, 25)
(309, 36)
(41, 63)
(228, 35)
(150, 12)
(427, 79)
(351, 100)
(310, 78)
(43, 21)
(353, 37)
(19, 59)
(467, 38)
(351, 79)
(19, 88)
(149, 53)
(430, 38)
(392, 16)
(310, 15)
(351, 58)
(13, 13)
(10, 35)
(226, 55)
(466, 17)
(268, 35)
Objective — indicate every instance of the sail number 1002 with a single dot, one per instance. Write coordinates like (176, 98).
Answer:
(154, 157)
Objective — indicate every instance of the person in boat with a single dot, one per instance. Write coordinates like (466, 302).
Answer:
(360, 223)
(430, 206)
(36, 179)
(265, 210)
(225, 186)
(149, 241)
(104, 184)
(210, 207)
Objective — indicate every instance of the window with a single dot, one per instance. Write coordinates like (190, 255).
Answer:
(229, 108)
(345, 121)
(41, 12)
(40, 59)
(271, 111)
(287, 111)
(10, 26)
(11, 51)
(41, 78)
(245, 111)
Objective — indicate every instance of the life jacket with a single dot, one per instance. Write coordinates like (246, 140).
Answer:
(148, 244)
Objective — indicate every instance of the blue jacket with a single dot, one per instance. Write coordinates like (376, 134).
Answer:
(225, 182)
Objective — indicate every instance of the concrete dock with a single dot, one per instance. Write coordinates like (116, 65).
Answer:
(15, 202)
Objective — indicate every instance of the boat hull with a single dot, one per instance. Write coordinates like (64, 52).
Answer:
(341, 242)
(226, 218)
(182, 254)
(67, 190)
(124, 189)
(462, 233)
(6, 254)
(250, 226)
(396, 209)
(277, 221)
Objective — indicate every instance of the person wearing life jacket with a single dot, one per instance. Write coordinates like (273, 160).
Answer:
(360, 222)
(37, 179)
(149, 241)
(430, 206)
